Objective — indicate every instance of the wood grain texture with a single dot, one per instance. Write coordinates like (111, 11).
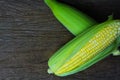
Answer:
(29, 35)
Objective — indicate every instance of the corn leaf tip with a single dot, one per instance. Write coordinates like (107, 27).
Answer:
(110, 17)
(116, 53)
(50, 71)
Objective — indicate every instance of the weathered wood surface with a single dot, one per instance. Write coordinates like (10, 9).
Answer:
(29, 35)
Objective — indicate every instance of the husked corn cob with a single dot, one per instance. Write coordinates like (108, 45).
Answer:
(74, 20)
(86, 49)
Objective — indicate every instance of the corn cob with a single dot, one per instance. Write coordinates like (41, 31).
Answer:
(86, 49)
(74, 20)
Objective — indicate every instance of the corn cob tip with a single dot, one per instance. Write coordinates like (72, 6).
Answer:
(50, 71)
(116, 53)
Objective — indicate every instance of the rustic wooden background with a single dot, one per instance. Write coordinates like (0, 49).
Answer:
(29, 35)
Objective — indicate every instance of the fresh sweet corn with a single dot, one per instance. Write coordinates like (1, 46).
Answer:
(74, 20)
(86, 49)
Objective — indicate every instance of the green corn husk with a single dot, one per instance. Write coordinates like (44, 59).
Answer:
(74, 20)
(86, 49)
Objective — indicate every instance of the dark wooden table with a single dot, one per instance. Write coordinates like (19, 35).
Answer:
(29, 35)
